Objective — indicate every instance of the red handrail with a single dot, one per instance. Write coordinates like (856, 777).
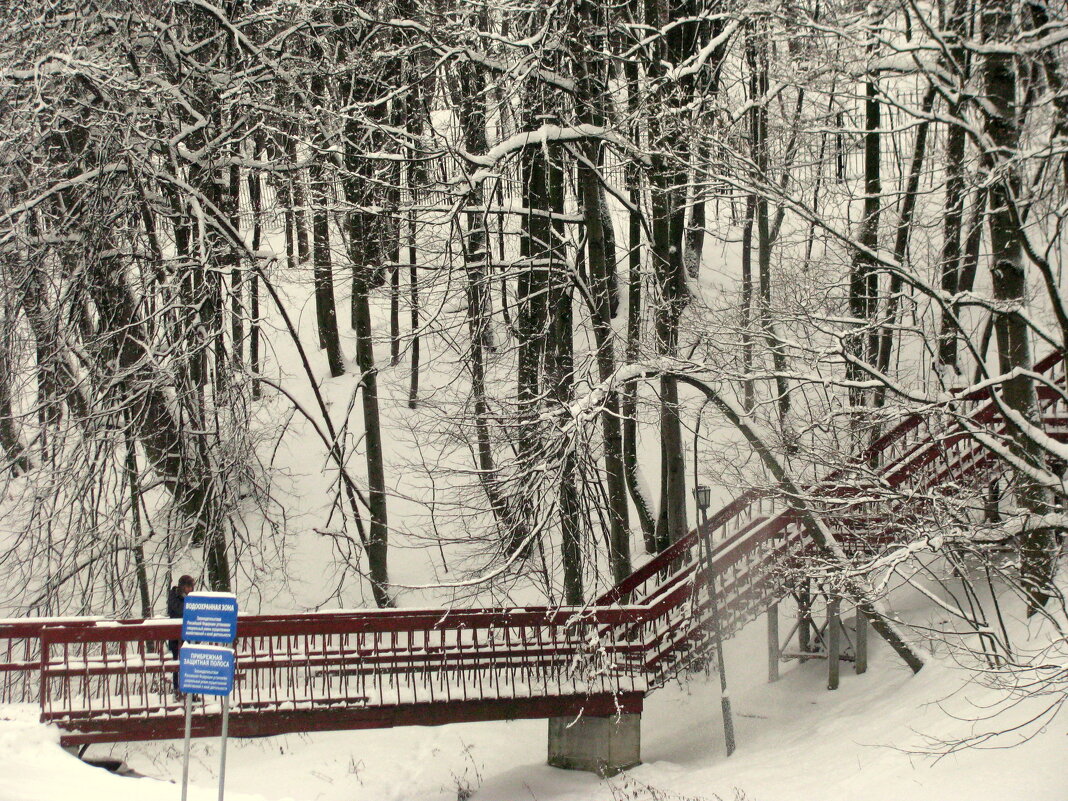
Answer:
(107, 679)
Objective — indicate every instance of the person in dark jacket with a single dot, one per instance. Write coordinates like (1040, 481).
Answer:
(176, 608)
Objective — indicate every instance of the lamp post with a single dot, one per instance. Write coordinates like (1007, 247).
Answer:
(703, 496)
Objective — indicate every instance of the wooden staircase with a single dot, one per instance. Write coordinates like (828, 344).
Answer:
(109, 680)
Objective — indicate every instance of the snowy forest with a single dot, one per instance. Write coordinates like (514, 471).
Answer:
(510, 279)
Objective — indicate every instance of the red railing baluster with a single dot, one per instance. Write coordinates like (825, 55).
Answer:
(94, 680)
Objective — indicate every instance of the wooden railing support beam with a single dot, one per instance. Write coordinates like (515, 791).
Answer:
(804, 617)
(860, 648)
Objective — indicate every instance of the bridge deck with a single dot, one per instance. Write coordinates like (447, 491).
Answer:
(169, 724)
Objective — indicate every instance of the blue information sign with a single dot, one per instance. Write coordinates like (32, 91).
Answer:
(206, 669)
(210, 617)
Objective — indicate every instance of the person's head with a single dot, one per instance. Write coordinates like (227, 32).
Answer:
(186, 584)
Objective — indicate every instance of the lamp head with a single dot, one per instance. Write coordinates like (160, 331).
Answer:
(703, 494)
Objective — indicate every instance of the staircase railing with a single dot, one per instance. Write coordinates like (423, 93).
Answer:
(111, 680)
(756, 536)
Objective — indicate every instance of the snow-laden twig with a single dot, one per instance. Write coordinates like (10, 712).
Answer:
(541, 136)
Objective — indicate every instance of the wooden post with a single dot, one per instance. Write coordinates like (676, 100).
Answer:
(773, 642)
(43, 693)
(834, 630)
(861, 647)
(804, 619)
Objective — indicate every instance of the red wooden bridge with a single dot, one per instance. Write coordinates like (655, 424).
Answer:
(110, 680)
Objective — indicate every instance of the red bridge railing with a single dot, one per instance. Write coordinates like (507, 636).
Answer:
(757, 536)
(338, 670)
(111, 680)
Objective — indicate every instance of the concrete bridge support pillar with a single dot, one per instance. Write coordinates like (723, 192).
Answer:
(602, 745)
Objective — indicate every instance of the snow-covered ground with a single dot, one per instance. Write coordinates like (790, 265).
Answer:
(865, 741)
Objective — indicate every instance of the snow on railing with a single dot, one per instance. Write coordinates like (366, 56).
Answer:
(94, 677)
(756, 536)
(112, 680)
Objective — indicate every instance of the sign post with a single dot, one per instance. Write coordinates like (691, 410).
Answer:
(188, 733)
(208, 617)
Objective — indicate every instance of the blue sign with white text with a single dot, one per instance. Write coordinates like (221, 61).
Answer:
(206, 669)
(210, 617)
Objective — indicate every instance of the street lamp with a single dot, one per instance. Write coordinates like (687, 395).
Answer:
(703, 496)
(704, 499)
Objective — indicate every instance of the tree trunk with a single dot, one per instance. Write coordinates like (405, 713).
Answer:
(18, 460)
(862, 343)
(1009, 278)
(378, 529)
(757, 52)
(901, 245)
(667, 229)
(255, 196)
(392, 245)
(325, 309)
(954, 200)
(413, 300)
(746, 321)
(300, 215)
(683, 32)
(629, 393)
(237, 303)
(592, 100)
(541, 240)
(138, 548)
(560, 370)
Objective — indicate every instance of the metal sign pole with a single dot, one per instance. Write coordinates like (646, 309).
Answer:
(207, 618)
(222, 755)
(188, 735)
